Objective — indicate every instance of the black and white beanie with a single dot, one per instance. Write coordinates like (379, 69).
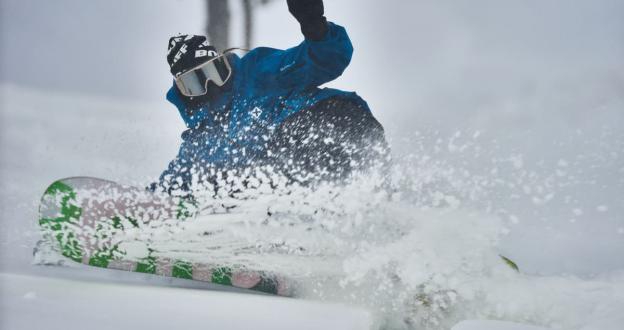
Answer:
(188, 51)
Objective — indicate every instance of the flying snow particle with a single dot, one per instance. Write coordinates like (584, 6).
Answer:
(30, 295)
(517, 161)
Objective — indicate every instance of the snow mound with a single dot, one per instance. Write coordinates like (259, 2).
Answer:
(32, 302)
(493, 325)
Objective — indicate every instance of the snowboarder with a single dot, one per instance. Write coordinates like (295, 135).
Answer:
(266, 108)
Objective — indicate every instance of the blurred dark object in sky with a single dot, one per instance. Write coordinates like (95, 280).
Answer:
(218, 24)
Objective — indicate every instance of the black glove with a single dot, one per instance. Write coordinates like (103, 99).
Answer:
(309, 13)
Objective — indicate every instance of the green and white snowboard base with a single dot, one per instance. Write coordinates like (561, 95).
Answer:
(85, 220)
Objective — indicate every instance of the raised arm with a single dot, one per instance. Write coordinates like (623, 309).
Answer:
(310, 15)
(321, 57)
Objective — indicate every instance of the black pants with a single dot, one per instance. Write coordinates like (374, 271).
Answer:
(329, 142)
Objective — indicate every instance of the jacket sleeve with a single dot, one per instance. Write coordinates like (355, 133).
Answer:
(311, 64)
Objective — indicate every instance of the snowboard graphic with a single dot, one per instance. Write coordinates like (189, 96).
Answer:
(86, 220)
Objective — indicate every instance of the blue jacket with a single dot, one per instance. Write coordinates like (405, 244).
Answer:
(268, 85)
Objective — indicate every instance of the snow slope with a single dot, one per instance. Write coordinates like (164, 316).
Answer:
(135, 307)
(36, 302)
(493, 325)
(444, 230)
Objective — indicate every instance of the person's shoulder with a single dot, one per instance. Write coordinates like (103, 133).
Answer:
(259, 53)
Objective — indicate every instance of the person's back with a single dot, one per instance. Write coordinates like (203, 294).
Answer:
(266, 108)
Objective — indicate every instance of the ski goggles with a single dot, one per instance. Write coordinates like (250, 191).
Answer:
(194, 82)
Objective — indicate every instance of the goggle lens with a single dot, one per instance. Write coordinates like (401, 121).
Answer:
(195, 81)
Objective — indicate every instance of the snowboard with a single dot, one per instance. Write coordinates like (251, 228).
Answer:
(87, 220)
